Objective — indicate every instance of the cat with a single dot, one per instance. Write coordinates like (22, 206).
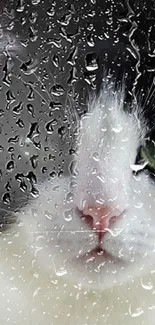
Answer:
(83, 251)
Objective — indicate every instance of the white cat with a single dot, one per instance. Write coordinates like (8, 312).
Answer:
(84, 251)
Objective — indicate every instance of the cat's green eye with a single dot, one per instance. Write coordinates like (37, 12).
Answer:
(147, 153)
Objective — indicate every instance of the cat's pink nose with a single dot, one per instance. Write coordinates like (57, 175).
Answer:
(100, 218)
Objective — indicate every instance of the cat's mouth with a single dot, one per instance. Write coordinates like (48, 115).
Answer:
(97, 253)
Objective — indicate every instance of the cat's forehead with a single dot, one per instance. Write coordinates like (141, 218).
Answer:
(108, 123)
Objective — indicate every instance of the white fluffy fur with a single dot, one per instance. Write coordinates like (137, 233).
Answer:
(45, 278)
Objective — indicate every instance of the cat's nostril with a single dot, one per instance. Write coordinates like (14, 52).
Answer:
(100, 219)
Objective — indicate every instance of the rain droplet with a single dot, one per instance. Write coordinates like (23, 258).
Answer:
(30, 109)
(23, 186)
(62, 131)
(10, 165)
(30, 96)
(34, 161)
(72, 78)
(60, 272)
(29, 67)
(69, 197)
(65, 19)
(72, 56)
(55, 60)
(35, 2)
(148, 286)
(1, 112)
(33, 34)
(34, 131)
(57, 90)
(54, 41)
(117, 129)
(20, 123)
(20, 6)
(139, 205)
(68, 215)
(48, 215)
(18, 108)
(51, 11)
(49, 126)
(8, 186)
(90, 40)
(14, 139)
(10, 97)
(6, 198)
(33, 17)
(53, 174)
(95, 156)
(137, 313)
(32, 178)
(91, 62)
(34, 192)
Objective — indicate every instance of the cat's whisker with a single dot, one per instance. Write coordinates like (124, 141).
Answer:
(51, 97)
(67, 231)
(150, 94)
(35, 90)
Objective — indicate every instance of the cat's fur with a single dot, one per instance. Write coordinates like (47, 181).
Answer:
(47, 273)
(45, 277)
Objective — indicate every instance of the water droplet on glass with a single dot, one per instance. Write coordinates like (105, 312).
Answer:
(20, 5)
(65, 19)
(69, 197)
(33, 17)
(1, 148)
(30, 96)
(35, 2)
(18, 108)
(49, 126)
(48, 215)
(55, 60)
(147, 286)
(34, 161)
(34, 192)
(30, 109)
(57, 90)
(137, 313)
(32, 178)
(62, 131)
(10, 165)
(20, 123)
(29, 67)
(90, 40)
(23, 186)
(10, 97)
(68, 215)
(53, 174)
(117, 129)
(33, 33)
(95, 156)
(6, 198)
(139, 205)
(1, 112)
(60, 272)
(8, 186)
(34, 131)
(51, 11)
(91, 62)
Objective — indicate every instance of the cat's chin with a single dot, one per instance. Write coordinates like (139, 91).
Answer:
(98, 253)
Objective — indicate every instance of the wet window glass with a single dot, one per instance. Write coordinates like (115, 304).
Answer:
(77, 162)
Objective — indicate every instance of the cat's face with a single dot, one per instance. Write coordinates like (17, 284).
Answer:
(107, 150)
